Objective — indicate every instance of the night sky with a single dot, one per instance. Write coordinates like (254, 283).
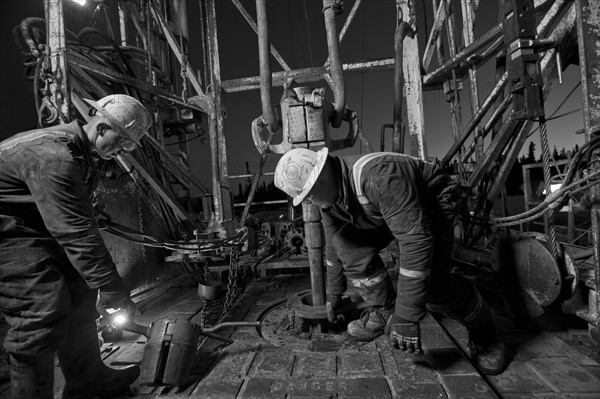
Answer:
(302, 45)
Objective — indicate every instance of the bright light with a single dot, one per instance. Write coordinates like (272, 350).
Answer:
(553, 188)
(120, 319)
(80, 2)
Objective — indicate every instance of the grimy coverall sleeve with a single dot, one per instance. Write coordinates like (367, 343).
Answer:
(336, 281)
(397, 197)
(59, 191)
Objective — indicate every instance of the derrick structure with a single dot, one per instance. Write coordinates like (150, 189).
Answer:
(530, 44)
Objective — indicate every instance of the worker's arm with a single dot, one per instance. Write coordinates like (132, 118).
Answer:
(59, 191)
(397, 197)
(336, 281)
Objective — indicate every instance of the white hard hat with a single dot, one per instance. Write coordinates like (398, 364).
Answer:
(126, 114)
(298, 170)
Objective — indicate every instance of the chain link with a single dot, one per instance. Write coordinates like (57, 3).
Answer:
(184, 90)
(232, 282)
(141, 223)
(203, 314)
(292, 316)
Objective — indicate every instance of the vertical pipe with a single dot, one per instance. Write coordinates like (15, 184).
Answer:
(58, 58)
(588, 35)
(330, 8)
(122, 24)
(413, 86)
(402, 30)
(204, 40)
(213, 128)
(314, 243)
(265, 66)
(451, 89)
(468, 11)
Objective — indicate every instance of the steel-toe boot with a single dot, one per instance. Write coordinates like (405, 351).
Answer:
(371, 324)
(486, 347)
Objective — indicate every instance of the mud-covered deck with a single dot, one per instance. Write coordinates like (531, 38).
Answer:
(552, 360)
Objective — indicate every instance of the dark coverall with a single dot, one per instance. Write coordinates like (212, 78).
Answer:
(52, 257)
(406, 199)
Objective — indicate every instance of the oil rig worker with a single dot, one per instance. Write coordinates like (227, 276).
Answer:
(368, 201)
(54, 265)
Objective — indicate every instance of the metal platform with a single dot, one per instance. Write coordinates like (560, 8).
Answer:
(545, 364)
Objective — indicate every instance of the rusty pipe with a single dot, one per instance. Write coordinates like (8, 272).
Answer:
(402, 30)
(265, 66)
(330, 9)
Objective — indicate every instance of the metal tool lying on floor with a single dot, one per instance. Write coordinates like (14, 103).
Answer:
(171, 347)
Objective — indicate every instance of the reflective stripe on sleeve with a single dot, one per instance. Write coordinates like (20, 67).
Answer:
(413, 273)
(357, 169)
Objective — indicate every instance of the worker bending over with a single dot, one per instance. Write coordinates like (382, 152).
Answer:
(53, 260)
(368, 201)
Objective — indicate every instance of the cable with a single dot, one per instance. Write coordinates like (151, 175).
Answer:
(552, 115)
(551, 202)
(186, 141)
(310, 50)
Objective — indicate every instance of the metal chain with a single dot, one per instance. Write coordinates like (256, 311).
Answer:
(292, 326)
(203, 314)
(184, 91)
(141, 223)
(232, 282)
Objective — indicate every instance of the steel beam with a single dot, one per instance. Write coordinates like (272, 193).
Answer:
(305, 75)
(57, 55)
(588, 35)
(413, 89)
(223, 209)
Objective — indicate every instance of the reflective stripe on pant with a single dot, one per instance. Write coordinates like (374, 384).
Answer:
(40, 294)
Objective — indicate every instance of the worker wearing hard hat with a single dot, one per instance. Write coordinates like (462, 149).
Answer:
(368, 201)
(55, 266)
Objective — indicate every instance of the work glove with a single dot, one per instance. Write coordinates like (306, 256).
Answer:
(404, 334)
(336, 304)
(115, 295)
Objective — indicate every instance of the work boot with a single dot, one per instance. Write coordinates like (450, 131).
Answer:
(32, 378)
(86, 375)
(371, 324)
(487, 349)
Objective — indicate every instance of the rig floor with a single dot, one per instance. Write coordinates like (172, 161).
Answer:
(551, 360)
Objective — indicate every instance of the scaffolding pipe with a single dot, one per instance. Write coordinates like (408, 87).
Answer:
(330, 9)
(265, 67)
(487, 104)
(402, 30)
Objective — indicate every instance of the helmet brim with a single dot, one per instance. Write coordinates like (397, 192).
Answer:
(321, 159)
(113, 121)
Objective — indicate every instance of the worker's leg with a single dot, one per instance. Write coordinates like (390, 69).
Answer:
(85, 373)
(32, 377)
(458, 299)
(35, 302)
(359, 252)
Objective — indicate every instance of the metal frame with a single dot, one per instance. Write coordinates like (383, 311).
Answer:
(456, 63)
